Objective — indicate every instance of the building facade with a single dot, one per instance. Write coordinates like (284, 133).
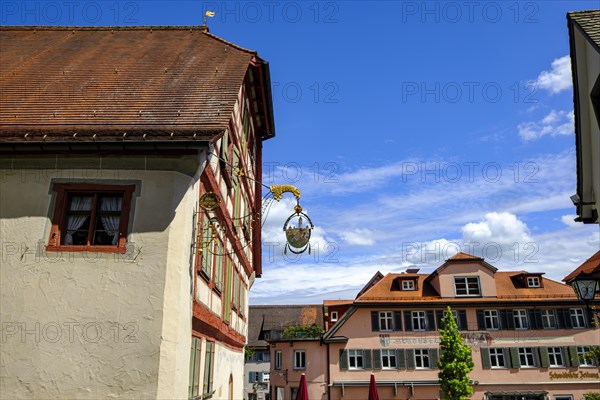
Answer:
(527, 334)
(584, 40)
(258, 355)
(130, 165)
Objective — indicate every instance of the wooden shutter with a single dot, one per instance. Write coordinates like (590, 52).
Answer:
(514, 357)
(343, 359)
(536, 319)
(430, 320)
(480, 320)
(194, 365)
(485, 358)
(543, 357)
(463, 324)
(571, 356)
(563, 317)
(367, 359)
(439, 314)
(408, 321)
(397, 320)
(375, 321)
(506, 319)
(434, 358)
(400, 359)
(507, 360)
(376, 359)
(536, 357)
(410, 358)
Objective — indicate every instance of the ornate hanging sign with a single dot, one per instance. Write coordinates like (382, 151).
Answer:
(210, 201)
(296, 234)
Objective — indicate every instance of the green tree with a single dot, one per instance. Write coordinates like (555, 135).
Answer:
(591, 396)
(248, 353)
(302, 331)
(455, 361)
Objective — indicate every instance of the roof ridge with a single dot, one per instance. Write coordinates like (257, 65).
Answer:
(202, 28)
(235, 46)
(103, 27)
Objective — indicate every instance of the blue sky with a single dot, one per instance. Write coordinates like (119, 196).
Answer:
(414, 129)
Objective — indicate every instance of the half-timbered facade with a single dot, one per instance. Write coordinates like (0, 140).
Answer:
(130, 165)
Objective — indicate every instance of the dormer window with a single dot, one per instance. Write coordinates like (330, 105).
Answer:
(334, 316)
(408, 285)
(467, 286)
(533, 282)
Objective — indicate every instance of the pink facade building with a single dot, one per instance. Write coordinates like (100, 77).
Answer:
(527, 334)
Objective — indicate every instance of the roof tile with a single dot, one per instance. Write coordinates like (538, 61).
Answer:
(111, 80)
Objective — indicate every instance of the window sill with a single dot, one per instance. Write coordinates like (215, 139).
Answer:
(81, 249)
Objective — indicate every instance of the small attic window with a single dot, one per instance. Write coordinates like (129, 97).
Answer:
(533, 282)
(405, 283)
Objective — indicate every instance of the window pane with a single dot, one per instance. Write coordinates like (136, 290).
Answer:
(78, 220)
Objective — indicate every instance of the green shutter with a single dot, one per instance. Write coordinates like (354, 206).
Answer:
(207, 255)
(571, 357)
(376, 359)
(400, 359)
(463, 324)
(410, 358)
(397, 320)
(375, 321)
(434, 358)
(485, 358)
(228, 291)
(343, 359)
(430, 320)
(194, 364)
(439, 314)
(514, 357)
(544, 360)
(563, 316)
(507, 360)
(367, 359)
(536, 357)
(408, 321)
(480, 320)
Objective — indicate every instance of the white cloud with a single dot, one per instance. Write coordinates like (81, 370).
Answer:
(556, 123)
(558, 78)
(358, 237)
(503, 228)
(424, 220)
(569, 220)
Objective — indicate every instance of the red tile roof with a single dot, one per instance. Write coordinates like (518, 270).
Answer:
(464, 256)
(382, 292)
(57, 81)
(589, 21)
(590, 266)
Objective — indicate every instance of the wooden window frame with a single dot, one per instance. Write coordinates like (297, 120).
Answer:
(297, 365)
(534, 282)
(63, 190)
(467, 288)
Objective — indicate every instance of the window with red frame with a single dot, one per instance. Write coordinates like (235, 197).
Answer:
(90, 217)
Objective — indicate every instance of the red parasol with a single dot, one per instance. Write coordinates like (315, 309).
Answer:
(302, 389)
(373, 395)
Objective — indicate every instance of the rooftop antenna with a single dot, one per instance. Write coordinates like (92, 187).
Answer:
(208, 13)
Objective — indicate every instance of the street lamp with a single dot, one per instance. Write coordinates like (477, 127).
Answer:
(585, 287)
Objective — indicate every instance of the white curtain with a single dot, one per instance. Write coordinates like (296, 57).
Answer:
(111, 222)
(75, 222)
